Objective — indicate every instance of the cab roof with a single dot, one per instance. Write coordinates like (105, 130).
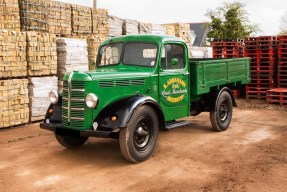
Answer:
(158, 39)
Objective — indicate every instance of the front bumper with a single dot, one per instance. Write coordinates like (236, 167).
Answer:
(58, 129)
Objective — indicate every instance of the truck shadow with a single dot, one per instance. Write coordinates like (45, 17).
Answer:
(106, 152)
(95, 152)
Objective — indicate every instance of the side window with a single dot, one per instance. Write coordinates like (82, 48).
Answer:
(170, 52)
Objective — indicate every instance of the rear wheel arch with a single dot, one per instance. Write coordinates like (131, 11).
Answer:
(214, 97)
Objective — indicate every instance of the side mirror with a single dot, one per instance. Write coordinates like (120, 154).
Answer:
(174, 61)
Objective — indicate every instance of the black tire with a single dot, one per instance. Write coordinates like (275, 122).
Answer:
(71, 142)
(138, 139)
(221, 116)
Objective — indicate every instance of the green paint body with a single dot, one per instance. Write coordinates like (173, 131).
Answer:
(173, 90)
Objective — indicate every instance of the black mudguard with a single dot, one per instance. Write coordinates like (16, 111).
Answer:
(56, 116)
(124, 109)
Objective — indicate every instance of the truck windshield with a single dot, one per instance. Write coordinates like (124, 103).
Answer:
(140, 54)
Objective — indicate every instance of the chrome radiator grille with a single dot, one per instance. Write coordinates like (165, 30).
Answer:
(73, 104)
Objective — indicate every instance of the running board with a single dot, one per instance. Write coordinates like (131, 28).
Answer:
(176, 124)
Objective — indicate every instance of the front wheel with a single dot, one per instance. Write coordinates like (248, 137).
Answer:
(138, 139)
(71, 142)
(221, 116)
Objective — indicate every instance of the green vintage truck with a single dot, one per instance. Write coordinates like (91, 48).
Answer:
(143, 84)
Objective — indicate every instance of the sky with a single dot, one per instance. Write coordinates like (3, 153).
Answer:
(266, 13)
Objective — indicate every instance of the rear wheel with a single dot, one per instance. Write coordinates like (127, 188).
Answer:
(70, 141)
(221, 116)
(138, 139)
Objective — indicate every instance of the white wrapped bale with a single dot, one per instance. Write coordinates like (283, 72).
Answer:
(39, 88)
(158, 29)
(72, 56)
(145, 28)
(116, 26)
(130, 27)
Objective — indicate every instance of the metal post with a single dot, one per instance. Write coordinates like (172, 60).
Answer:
(95, 4)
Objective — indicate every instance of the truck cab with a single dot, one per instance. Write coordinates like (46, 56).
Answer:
(141, 83)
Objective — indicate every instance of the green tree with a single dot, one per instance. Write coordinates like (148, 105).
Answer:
(230, 22)
(283, 27)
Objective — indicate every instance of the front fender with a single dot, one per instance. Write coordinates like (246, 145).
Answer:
(124, 109)
(56, 115)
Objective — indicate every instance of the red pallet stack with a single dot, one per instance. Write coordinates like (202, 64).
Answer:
(228, 48)
(277, 96)
(263, 53)
(282, 62)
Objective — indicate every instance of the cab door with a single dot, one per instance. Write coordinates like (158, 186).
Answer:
(174, 81)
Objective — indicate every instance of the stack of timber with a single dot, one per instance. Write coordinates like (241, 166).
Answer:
(13, 62)
(9, 15)
(34, 15)
(130, 27)
(14, 102)
(72, 56)
(182, 31)
(170, 29)
(39, 88)
(59, 19)
(81, 21)
(94, 42)
(116, 26)
(41, 54)
(100, 22)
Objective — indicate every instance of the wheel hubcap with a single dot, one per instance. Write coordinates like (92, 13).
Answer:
(223, 111)
(143, 134)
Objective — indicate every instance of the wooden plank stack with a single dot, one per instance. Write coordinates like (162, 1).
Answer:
(59, 19)
(34, 15)
(94, 42)
(14, 102)
(182, 31)
(41, 54)
(116, 26)
(170, 30)
(39, 88)
(13, 62)
(81, 21)
(130, 27)
(9, 15)
(100, 21)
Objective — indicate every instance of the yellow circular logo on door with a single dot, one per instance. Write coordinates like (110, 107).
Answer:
(174, 90)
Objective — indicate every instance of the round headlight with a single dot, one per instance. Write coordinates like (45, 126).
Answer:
(91, 100)
(54, 97)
